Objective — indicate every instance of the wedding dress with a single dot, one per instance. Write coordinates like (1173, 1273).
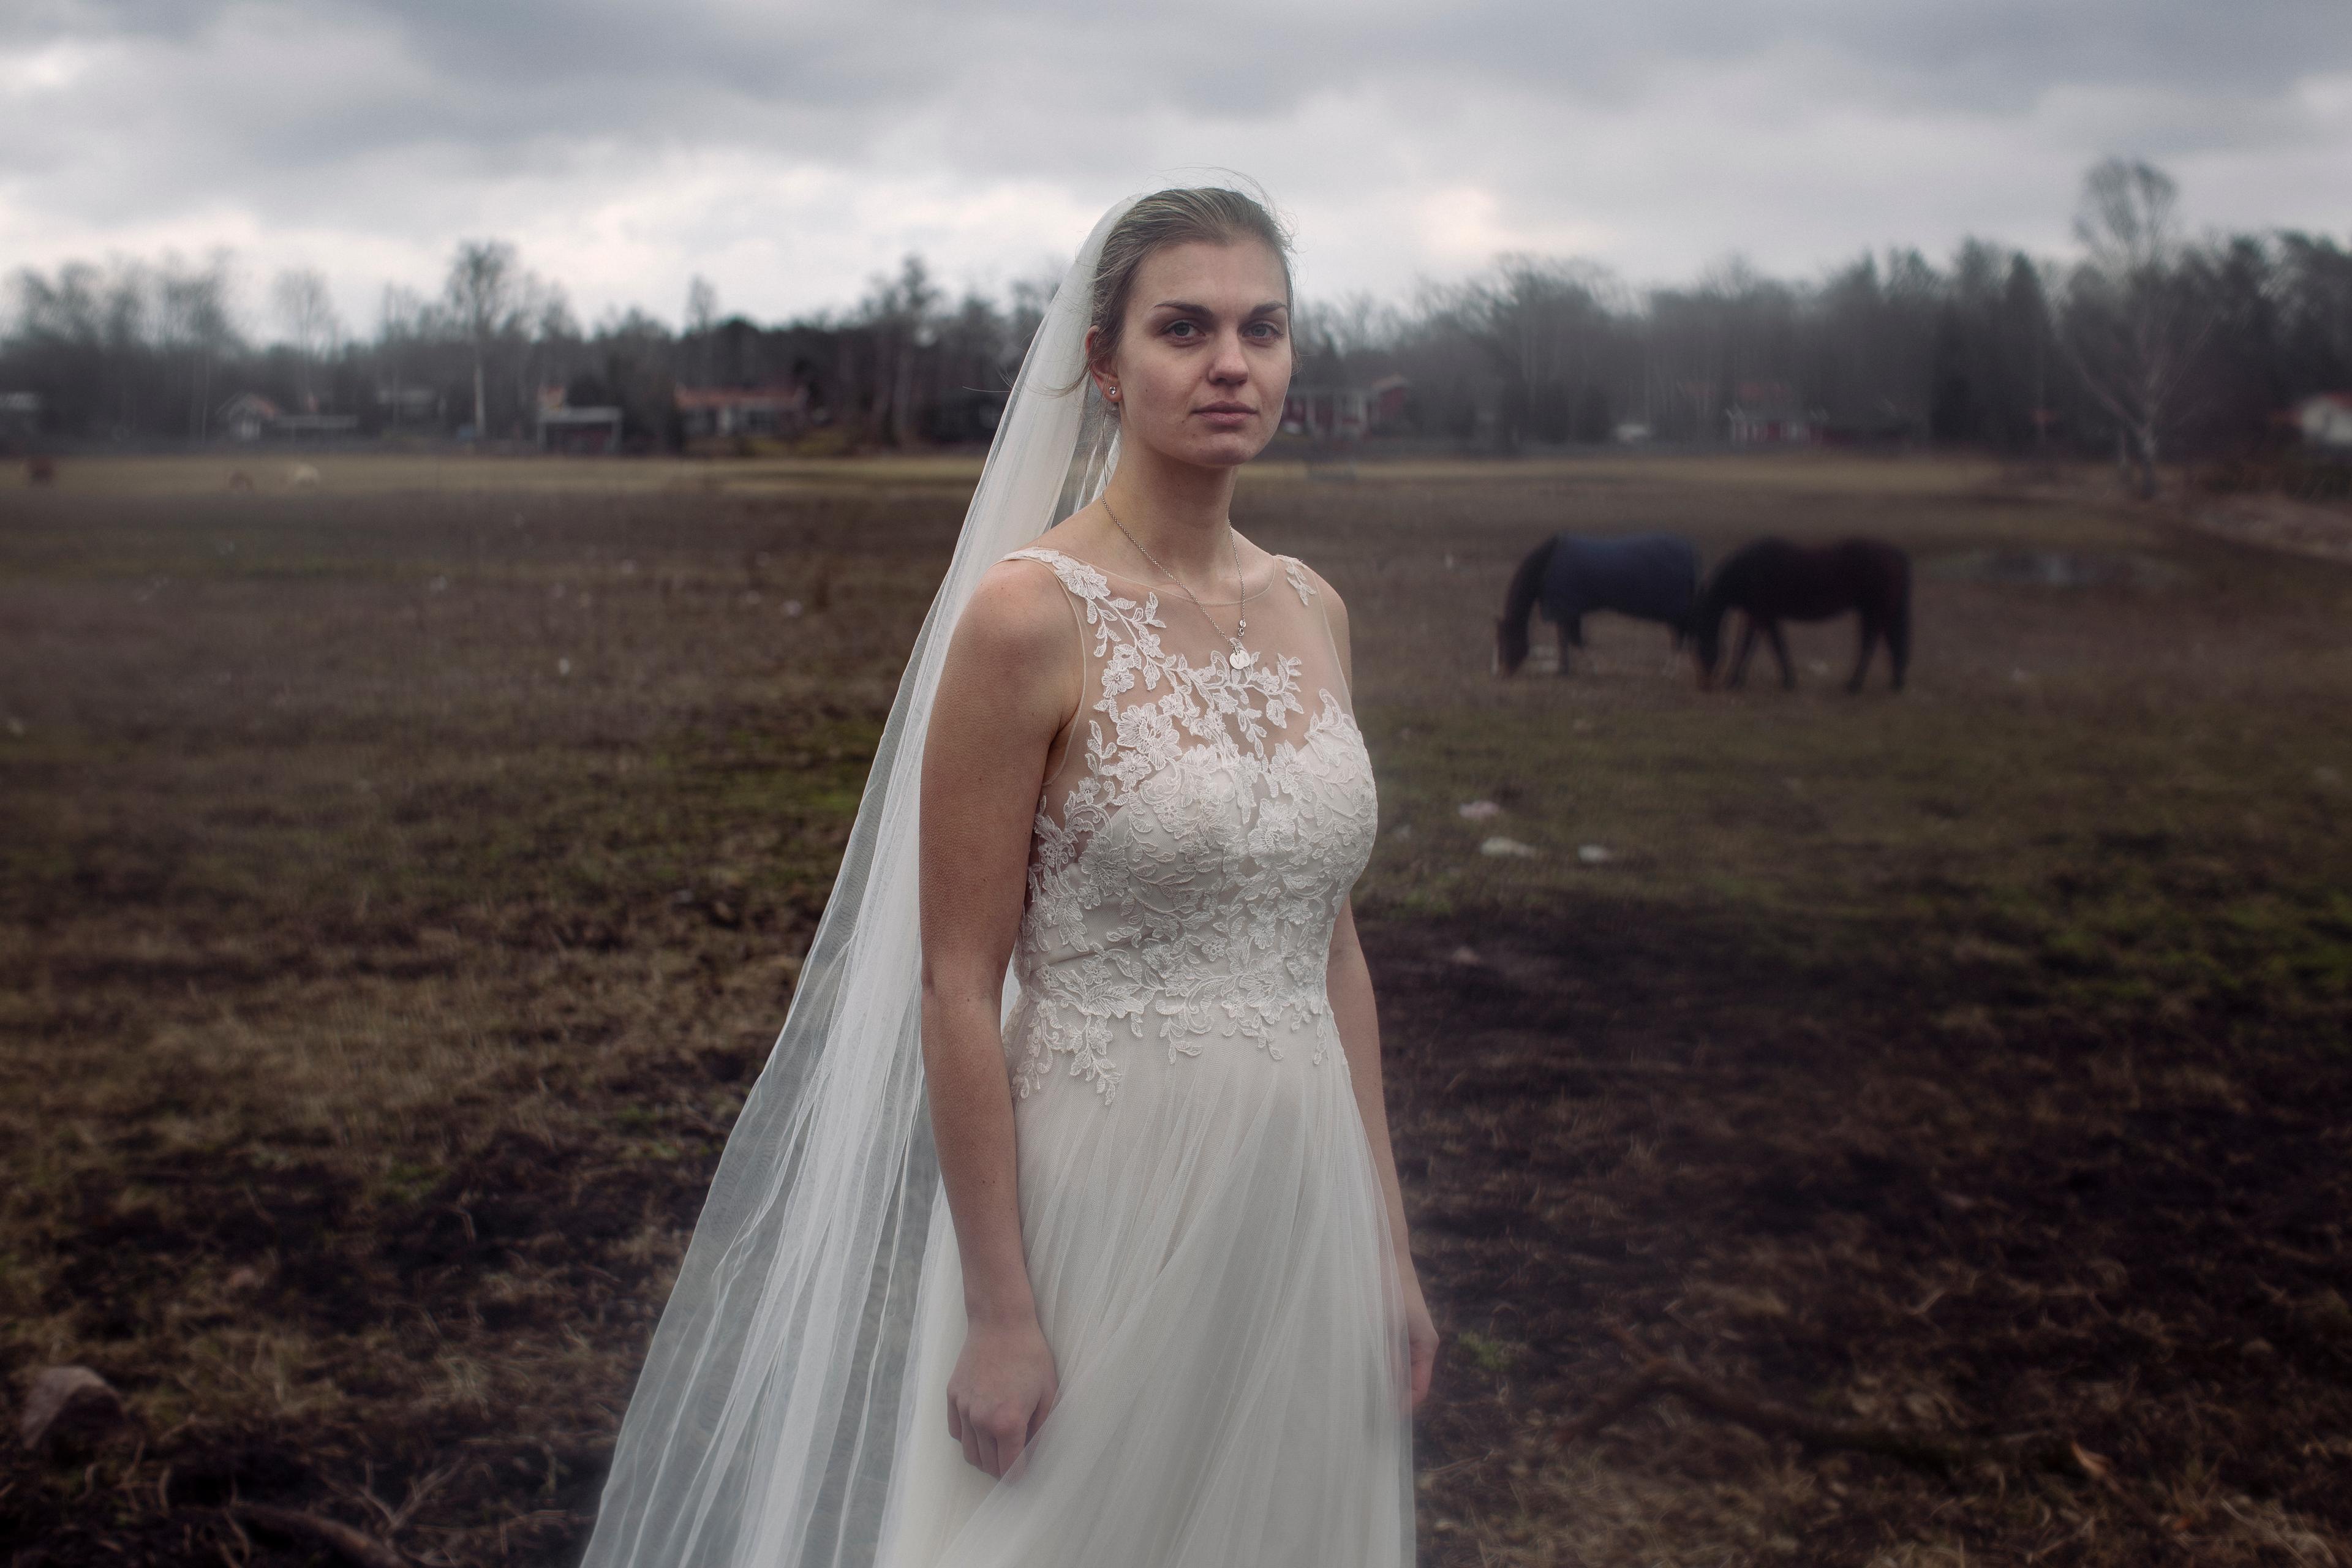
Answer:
(1204, 1228)
(1202, 1225)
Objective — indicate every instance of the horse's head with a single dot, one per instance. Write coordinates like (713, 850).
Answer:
(1510, 645)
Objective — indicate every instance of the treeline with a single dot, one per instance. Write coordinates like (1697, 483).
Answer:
(2151, 343)
(149, 352)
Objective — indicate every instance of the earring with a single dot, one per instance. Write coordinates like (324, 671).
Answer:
(1111, 392)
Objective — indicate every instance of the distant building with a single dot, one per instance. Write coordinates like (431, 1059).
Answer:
(248, 417)
(1344, 412)
(1767, 414)
(779, 409)
(2327, 420)
(580, 432)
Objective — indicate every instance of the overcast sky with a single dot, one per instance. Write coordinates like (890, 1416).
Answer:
(788, 152)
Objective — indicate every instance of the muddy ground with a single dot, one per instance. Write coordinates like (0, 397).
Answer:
(402, 882)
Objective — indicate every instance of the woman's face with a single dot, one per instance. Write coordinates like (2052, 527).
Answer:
(1205, 358)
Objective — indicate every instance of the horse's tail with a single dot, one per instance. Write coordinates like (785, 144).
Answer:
(1518, 604)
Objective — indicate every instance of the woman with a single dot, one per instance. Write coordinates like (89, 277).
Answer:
(1167, 1314)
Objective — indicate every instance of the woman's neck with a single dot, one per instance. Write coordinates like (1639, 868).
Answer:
(1180, 514)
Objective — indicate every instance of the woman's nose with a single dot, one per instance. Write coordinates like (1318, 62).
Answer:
(1231, 364)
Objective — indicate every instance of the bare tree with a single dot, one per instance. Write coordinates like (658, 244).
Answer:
(403, 317)
(1352, 325)
(484, 292)
(307, 313)
(2132, 325)
(901, 310)
(543, 320)
(701, 304)
(701, 320)
(1547, 326)
(193, 316)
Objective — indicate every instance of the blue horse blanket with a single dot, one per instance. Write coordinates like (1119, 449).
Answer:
(1651, 576)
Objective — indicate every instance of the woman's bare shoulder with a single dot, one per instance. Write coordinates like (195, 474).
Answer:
(1017, 617)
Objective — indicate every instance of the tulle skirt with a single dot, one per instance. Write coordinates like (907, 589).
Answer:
(1210, 1254)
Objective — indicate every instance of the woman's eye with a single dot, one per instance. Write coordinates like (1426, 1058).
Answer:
(1182, 330)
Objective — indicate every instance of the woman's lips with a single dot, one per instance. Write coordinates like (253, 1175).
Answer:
(1227, 414)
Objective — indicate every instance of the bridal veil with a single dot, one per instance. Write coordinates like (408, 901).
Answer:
(762, 1429)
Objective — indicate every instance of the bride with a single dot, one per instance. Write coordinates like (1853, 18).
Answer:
(1166, 1314)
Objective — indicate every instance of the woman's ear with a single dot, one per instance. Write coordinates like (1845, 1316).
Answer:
(1099, 373)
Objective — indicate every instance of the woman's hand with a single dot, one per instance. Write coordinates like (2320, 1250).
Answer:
(1003, 1389)
(1420, 1332)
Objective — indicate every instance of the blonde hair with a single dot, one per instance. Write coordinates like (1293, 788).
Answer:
(1212, 214)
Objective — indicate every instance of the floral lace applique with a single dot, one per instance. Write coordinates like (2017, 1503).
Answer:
(1189, 889)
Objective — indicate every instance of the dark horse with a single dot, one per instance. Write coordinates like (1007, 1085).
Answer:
(1773, 581)
(1653, 576)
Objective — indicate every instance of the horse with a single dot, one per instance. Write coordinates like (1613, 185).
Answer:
(1651, 576)
(1773, 581)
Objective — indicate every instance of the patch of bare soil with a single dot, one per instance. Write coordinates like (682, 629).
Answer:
(1809, 1185)
(2278, 522)
(518, 1266)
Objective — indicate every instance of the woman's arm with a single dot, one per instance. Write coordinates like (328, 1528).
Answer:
(1357, 1014)
(1353, 1010)
(1007, 691)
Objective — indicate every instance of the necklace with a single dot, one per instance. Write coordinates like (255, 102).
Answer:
(1240, 657)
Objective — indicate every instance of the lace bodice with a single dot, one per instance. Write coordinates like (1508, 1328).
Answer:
(1190, 857)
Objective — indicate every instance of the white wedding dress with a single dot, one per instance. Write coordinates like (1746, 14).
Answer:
(1204, 1229)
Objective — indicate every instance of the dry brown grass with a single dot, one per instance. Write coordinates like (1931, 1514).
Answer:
(404, 880)
(358, 476)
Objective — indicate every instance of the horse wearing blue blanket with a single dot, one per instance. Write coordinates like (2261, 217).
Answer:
(1651, 576)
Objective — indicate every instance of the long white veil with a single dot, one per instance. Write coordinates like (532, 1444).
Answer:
(762, 1428)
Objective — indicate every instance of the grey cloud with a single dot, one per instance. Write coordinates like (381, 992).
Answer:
(609, 57)
(1218, 57)
(404, 116)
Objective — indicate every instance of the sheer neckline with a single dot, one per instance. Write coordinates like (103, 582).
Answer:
(1283, 566)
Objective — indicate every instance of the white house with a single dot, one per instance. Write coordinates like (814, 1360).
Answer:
(247, 416)
(2326, 419)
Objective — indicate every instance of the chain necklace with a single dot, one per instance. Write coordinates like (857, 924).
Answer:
(1240, 657)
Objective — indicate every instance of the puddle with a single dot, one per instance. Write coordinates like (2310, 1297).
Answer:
(2058, 569)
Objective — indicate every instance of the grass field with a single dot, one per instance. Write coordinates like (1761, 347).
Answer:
(403, 879)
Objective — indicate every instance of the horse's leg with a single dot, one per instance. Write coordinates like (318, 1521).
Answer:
(1780, 652)
(1862, 660)
(1571, 634)
(1746, 647)
(1898, 639)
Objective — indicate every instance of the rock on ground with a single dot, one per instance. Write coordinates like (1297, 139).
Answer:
(67, 1404)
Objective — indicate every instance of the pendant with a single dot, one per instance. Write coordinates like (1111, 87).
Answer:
(1240, 657)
